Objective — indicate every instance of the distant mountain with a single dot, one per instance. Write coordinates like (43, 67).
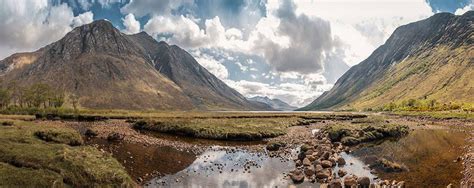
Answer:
(107, 69)
(276, 104)
(428, 59)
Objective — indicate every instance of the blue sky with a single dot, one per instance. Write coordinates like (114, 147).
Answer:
(291, 50)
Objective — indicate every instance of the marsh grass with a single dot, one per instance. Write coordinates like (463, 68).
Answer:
(369, 130)
(439, 114)
(27, 161)
(220, 128)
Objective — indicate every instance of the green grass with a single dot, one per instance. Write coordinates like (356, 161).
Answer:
(439, 114)
(220, 128)
(364, 130)
(27, 161)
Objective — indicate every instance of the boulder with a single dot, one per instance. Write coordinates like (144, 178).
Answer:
(326, 164)
(350, 181)
(323, 174)
(297, 176)
(306, 162)
(335, 183)
(364, 182)
(309, 171)
(341, 172)
(341, 161)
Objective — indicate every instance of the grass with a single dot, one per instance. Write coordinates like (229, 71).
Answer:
(439, 114)
(235, 126)
(220, 128)
(27, 161)
(364, 130)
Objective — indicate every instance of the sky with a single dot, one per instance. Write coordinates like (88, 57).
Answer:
(293, 50)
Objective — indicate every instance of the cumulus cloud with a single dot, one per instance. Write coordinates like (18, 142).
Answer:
(132, 26)
(463, 10)
(361, 31)
(27, 25)
(295, 94)
(141, 8)
(309, 40)
(212, 65)
(81, 19)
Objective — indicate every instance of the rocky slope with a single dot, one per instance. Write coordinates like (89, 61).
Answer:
(107, 69)
(428, 59)
(276, 104)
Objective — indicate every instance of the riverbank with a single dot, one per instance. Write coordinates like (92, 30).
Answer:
(33, 155)
(147, 153)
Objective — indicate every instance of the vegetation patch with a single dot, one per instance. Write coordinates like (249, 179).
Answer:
(28, 161)
(63, 136)
(275, 145)
(354, 134)
(220, 128)
(388, 166)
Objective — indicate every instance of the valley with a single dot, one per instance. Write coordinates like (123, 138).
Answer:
(424, 148)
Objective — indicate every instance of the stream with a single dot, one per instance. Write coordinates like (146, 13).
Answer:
(428, 154)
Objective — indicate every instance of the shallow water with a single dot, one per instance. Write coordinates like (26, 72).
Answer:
(428, 154)
(140, 160)
(224, 168)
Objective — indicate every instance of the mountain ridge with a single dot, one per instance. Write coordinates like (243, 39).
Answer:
(107, 69)
(275, 103)
(367, 85)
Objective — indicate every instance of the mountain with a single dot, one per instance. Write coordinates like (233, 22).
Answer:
(107, 69)
(428, 59)
(276, 104)
(204, 89)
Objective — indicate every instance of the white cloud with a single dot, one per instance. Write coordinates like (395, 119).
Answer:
(84, 18)
(141, 8)
(132, 26)
(212, 65)
(461, 11)
(293, 93)
(27, 25)
(361, 31)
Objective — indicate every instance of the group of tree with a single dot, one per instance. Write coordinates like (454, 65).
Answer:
(426, 105)
(38, 95)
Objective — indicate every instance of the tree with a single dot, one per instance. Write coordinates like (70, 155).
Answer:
(74, 101)
(4, 98)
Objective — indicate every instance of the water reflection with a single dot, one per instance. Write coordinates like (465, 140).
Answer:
(219, 168)
(428, 154)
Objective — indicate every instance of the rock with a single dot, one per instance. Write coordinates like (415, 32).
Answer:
(297, 176)
(325, 155)
(115, 136)
(298, 163)
(90, 133)
(349, 141)
(311, 158)
(274, 146)
(401, 184)
(309, 171)
(335, 183)
(341, 172)
(304, 148)
(306, 162)
(326, 164)
(333, 160)
(350, 181)
(323, 174)
(450, 186)
(363, 181)
(341, 161)
(318, 168)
